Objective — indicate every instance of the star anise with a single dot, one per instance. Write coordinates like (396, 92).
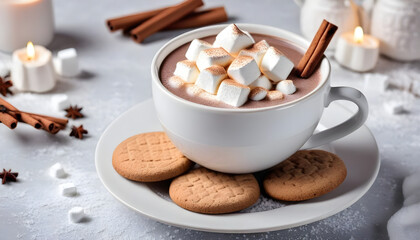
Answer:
(8, 176)
(5, 85)
(78, 132)
(74, 112)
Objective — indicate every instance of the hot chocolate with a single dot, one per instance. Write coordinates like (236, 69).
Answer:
(195, 94)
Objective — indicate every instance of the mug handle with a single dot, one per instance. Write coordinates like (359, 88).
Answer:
(348, 126)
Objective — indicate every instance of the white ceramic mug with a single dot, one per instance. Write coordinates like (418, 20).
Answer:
(249, 140)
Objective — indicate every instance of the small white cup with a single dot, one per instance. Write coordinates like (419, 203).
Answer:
(249, 140)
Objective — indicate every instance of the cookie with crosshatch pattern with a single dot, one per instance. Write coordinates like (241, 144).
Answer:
(205, 191)
(149, 157)
(306, 174)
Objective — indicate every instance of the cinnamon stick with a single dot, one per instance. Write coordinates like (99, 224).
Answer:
(201, 18)
(61, 121)
(164, 19)
(132, 20)
(8, 120)
(46, 124)
(27, 118)
(10, 107)
(313, 56)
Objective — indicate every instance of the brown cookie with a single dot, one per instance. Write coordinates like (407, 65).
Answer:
(149, 157)
(306, 174)
(205, 191)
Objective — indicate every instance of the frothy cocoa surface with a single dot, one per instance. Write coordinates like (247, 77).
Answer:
(293, 52)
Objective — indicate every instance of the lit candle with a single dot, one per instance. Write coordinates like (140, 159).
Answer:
(32, 69)
(357, 51)
(21, 20)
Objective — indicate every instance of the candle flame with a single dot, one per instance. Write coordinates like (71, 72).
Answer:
(30, 51)
(358, 34)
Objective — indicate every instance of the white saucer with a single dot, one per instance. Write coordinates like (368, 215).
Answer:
(358, 150)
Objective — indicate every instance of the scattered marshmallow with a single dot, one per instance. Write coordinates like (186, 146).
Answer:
(415, 87)
(66, 63)
(210, 78)
(244, 70)
(412, 199)
(257, 51)
(394, 107)
(233, 93)
(4, 70)
(233, 39)
(258, 94)
(68, 189)
(286, 86)
(175, 82)
(275, 65)
(195, 48)
(57, 171)
(405, 224)
(187, 70)
(274, 95)
(76, 214)
(376, 82)
(213, 56)
(262, 81)
(60, 101)
(411, 185)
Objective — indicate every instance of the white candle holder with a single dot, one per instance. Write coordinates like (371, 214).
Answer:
(360, 57)
(34, 75)
(25, 20)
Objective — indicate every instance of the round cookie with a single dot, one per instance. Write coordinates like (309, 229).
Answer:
(149, 157)
(306, 174)
(206, 191)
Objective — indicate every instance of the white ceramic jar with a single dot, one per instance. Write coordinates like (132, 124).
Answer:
(338, 12)
(22, 21)
(397, 25)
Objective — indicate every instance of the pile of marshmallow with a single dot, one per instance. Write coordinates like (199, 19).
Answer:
(234, 69)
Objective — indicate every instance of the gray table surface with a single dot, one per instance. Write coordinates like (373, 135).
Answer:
(115, 77)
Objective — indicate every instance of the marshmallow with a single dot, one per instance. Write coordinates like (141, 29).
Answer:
(394, 107)
(262, 81)
(233, 39)
(60, 102)
(274, 95)
(286, 86)
(68, 189)
(57, 171)
(193, 90)
(175, 82)
(376, 82)
(66, 63)
(210, 78)
(244, 70)
(275, 65)
(258, 94)
(213, 56)
(187, 71)
(195, 48)
(76, 214)
(233, 93)
(257, 51)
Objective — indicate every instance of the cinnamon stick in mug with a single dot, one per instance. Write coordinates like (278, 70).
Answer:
(164, 19)
(313, 56)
